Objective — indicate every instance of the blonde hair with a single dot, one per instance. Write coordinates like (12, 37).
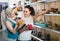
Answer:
(8, 10)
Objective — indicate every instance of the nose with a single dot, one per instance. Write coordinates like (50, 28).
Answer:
(24, 12)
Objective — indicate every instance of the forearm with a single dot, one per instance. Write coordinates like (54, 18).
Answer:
(22, 30)
(16, 28)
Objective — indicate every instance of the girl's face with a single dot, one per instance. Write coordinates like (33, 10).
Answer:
(27, 12)
(12, 14)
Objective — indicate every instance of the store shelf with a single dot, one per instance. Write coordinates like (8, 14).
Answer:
(36, 38)
(34, 3)
(40, 1)
(43, 1)
(47, 29)
(52, 14)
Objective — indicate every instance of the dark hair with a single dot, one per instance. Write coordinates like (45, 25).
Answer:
(30, 9)
(56, 9)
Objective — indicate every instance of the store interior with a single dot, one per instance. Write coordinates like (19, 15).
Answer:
(46, 19)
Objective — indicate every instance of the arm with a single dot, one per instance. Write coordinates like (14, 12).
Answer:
(10, 28)
(28, 27)
(22, 30)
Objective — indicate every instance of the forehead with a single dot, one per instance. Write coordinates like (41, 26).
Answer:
(26, 9)
(12, 12)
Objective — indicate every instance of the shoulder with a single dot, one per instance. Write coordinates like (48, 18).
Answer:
(31, 17)
(7, 22)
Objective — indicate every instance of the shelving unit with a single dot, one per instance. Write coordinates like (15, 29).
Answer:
(54, 20)
(47, 29)
(52, 14)
(54, 34)
(33, 3)
(46, 3)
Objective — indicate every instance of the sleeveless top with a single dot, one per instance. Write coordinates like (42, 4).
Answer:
(9, 34)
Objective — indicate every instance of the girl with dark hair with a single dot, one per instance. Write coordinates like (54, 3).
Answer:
(28, 19)
(30, 9)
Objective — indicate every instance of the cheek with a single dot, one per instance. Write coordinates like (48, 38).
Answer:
(12, 15)
(26, 13)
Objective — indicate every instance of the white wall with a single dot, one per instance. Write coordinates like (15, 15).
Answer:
(3, 0)
(11, 2)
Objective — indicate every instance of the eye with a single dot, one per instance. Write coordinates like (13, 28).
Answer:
(26, 11)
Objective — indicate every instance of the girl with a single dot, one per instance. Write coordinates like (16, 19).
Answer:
(11, 25)
(28, 19)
